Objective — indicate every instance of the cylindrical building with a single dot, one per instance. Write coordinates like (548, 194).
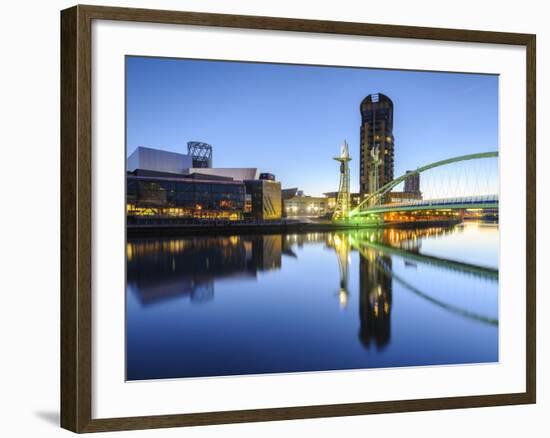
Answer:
(376, 132)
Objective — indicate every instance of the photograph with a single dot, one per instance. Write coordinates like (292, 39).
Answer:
(292, 218)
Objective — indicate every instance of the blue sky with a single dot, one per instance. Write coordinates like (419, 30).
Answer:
(291, 120)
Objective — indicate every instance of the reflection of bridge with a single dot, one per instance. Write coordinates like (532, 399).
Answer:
(452, 265)
(375, 252)
(453, 309)
(454, 197)
(377, 255)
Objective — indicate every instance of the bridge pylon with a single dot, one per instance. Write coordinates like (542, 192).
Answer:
(343, 201)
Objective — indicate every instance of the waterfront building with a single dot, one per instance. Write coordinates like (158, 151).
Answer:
(164, 186)
(376, 143)
(265, 199)
(184, 197)
(296, 204)
(291, 193)
(158, 160)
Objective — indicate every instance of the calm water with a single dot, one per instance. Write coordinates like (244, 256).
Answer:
(213, 306)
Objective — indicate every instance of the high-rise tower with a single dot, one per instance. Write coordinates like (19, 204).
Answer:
(376, 133)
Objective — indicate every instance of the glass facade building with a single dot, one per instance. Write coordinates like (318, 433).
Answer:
(265, 199)
(376, 132)
(184, 198)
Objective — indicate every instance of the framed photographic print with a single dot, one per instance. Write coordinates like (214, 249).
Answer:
(270, 218)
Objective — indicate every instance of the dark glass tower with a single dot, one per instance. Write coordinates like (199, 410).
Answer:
(376, 130)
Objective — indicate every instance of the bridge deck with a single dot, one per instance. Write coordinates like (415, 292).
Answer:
(457, 203)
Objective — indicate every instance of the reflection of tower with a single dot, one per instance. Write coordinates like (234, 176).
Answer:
(342, 247)
(376, 132)
(375, 299)
(343, 200)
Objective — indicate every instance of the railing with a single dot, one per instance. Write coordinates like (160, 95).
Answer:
(441, 201)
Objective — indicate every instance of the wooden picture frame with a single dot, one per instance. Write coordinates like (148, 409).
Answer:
(76, 218)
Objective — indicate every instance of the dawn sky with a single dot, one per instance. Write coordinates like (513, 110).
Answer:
(291, 120)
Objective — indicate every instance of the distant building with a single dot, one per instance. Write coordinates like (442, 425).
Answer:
(412, 182)
(295, 204)
(376, 133)
(399, 197)
(355, 199)
(290, 193)
(158, 160)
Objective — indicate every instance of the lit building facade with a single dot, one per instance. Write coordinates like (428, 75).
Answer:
(266, 200)
(162, 197)
(304, 206)
(166, 188)
(376, 133)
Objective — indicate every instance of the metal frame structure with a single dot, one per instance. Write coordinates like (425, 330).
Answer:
(343, 201)
(201, 153)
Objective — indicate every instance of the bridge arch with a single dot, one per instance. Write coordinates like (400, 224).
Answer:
(389, 186)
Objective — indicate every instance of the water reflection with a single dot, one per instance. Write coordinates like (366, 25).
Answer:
(371, 264)
(163, 269)
(375, 288)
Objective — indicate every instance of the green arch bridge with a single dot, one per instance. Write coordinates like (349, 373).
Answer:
(373, 207)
